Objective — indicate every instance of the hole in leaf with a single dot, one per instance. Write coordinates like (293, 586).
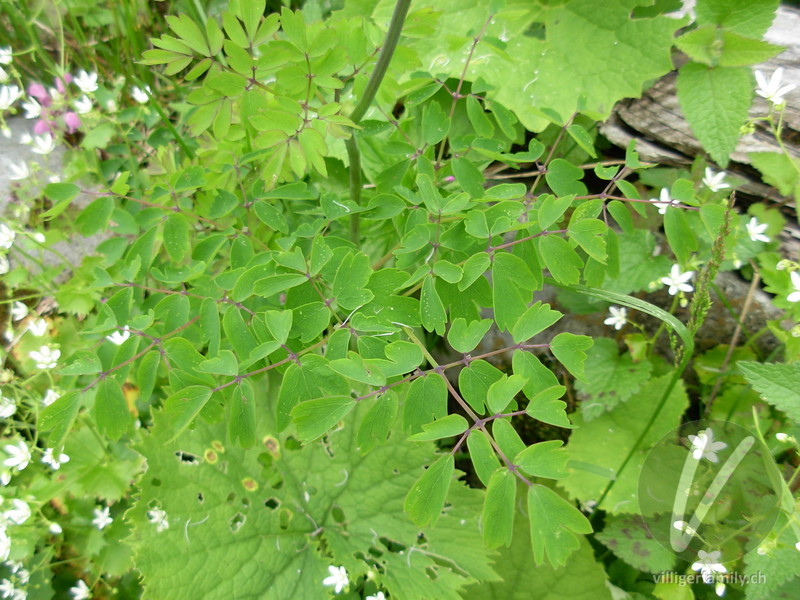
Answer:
(245, 503)
(396, 472)
(373, 551)
(391, 545)
(236, 521)
(421, 539)
(155, 481)
(265, 459)
(231, 497)
(200, 497)
(292, 444)
(272, 503)
(187, 458)
(338, 514)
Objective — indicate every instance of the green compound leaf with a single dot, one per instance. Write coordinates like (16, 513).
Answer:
(777, 384)
(502, 392)
(534, 320)
(277, 525)
(432, 313)
(499, 508)
(484, 460)
(441, 428)
(588, 234)
(474, 383)
(378, 422)
(425, 499)
(560, 259)
(58, 418)
(513, 286)
(314, 418)
(570, 350)
(426, 401)
(110, 409)
(555, 525)
(177, 237)
(180, 409)
(242, 415)
(545, 459)
(715, 102)
(465, 337)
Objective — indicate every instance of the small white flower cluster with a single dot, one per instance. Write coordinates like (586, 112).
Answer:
(80, 591)
(678, 281)
(772, 89)
(618, 318)
(102, 517)
(20, 576)
(708, 565)
(704, 446)
(158, 517)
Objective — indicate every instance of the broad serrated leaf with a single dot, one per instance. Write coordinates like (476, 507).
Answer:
(715, 101)
(555, 525)
(628, 537)
(777, 384)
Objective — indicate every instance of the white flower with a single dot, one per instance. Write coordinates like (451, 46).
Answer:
(46, 357)
(19, 311)
(43, 144)
(119, 337)
(7, 236)
(5, 477)
(715, 181)
(5, 544)
(7, 407)
(782, 437)
(82, 105)
(87, 82)
(19, 514)
(756, 230)
(19, 171)
(54, 178)
(18, 456)
(80, 591)
(5, 55)
(4, 266)
(111, 106)
(618, 317)
(25, 138)
(678, 281)
(378, 596)
(771, 90)
(140, 95)
(797, 546)
(49, 397)
(38, 327)
(4, 76)
(708, 565)
(38, 237)
(338, 578)
(665, 202)
(101, 518)
(719, 589)
(32, 108)
(8, 95)
(55, 528)
(704, 446)
(795, 295)
(5, 132)
(158, 517)
(782, 265)
(7, 589)
(55, 462)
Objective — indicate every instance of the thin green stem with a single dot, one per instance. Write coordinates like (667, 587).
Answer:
(375, 79)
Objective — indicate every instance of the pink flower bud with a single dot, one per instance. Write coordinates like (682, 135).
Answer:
(42, 126)
(72, 121)
(61, 83)
(38, 91)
